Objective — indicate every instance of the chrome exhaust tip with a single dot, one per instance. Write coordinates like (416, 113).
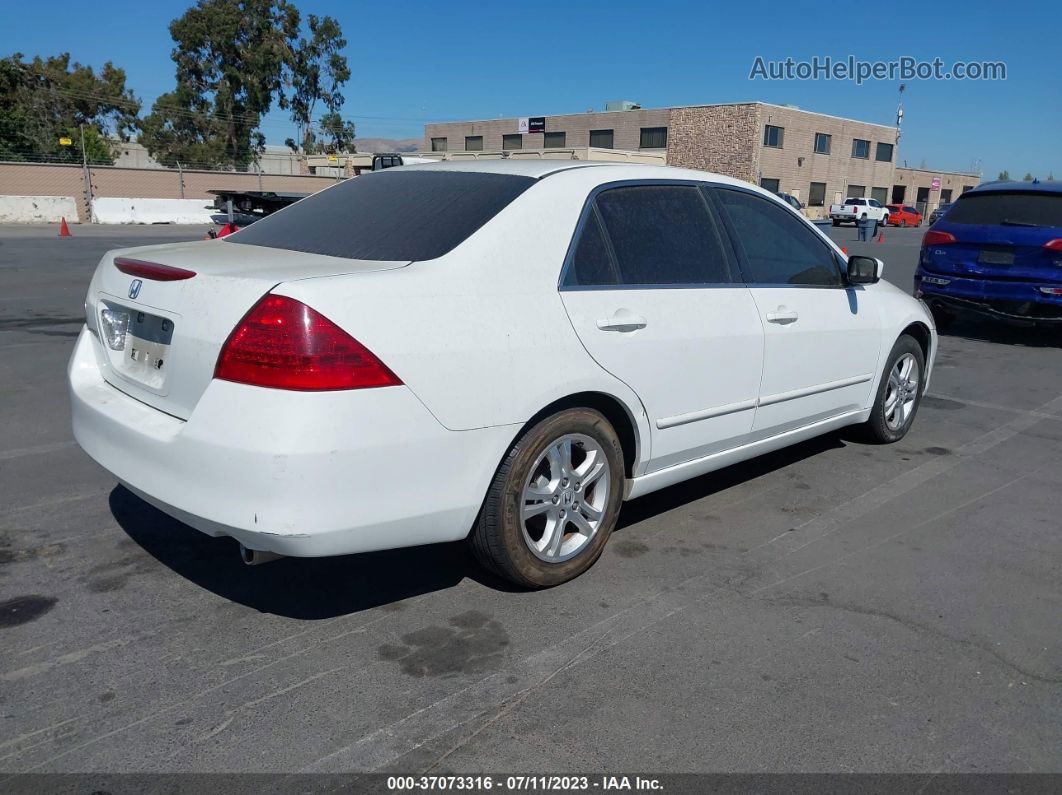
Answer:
(256, 557)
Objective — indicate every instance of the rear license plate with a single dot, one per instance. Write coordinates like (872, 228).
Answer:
(140, 342)
(989, 257)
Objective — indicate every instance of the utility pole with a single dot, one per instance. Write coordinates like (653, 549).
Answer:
(180, 177)
(86, 172)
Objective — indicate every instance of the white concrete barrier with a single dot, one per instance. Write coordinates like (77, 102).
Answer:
(150, 211)
(37, 209)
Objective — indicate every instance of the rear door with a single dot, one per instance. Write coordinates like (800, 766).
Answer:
(651, 292)
(821, 337)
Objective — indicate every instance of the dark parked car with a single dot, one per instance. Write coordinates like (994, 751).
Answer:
(938, 213)
(998, 252)
(792, 201)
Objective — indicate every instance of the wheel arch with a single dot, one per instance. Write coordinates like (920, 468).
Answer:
(920, 332)
(614, 410)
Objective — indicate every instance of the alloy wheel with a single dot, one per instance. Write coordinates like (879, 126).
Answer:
(565, 498)
(901, 393)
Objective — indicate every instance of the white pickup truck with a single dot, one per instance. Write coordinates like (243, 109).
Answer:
(852, 209)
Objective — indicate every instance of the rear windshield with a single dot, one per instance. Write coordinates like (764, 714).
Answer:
(388, 215)
(1018, 208)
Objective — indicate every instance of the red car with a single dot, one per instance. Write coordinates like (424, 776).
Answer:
(902, 215)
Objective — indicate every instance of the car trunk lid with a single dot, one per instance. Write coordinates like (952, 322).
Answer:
(159, 339)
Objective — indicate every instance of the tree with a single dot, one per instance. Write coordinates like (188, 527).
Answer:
(47, 99)
(230, 58)
(1028, 177)
(317, 73)
(1004, 175)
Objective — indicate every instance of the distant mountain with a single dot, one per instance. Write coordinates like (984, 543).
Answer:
(388, 144)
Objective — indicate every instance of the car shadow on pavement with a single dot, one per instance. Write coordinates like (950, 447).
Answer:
(306, 588)
(989, 330)
(691, 490)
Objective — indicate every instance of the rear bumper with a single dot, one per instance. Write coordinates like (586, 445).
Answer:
(1011, 300)
(302, 474)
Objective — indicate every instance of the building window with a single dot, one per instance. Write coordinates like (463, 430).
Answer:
(822, 143)
(881, 194)
(769, 184)
(817, 194)
(653, 138)
(772, 136)
(514, 141)
(945, 196)
(473, 143)
(553, 140)
(857, 191)
(967, 187)
(860, 148)
(883, 153)
(438, 144)
(602, 139)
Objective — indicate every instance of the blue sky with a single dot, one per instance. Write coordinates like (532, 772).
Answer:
(416, 62)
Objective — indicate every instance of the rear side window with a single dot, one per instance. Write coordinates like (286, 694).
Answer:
(657, 234)
(591, 263)
(1019, 208)
(778, 247)
(388, 215)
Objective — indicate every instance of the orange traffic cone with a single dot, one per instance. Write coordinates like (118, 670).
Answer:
(64, 230)
(881, 237)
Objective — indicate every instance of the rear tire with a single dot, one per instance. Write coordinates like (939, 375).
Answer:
(899, 393)
(540, 524)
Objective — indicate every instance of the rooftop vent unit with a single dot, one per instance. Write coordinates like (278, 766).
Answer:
(622, 104)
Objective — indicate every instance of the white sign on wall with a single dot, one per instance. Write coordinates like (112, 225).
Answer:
(523, 125)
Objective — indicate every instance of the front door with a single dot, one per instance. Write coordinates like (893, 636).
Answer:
(821, 337)
(650, 291)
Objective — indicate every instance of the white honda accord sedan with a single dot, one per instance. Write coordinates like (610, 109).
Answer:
(502, 351)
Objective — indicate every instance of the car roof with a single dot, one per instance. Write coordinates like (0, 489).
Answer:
(519, 167)
(1035, 186)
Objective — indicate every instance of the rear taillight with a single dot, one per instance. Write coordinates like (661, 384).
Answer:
(284, 344)
(1054, 245)
(935, 238)
(1051, 290)
(151, 270)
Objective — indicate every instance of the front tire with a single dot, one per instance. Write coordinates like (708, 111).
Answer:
(553, 502)
(899, 393)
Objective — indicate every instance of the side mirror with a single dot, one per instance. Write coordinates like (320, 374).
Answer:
(864, 270)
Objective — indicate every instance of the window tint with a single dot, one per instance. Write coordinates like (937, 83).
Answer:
(1020, 208)
(883, 152)
(591, 263)
(779, 248)
(388, 215)
(660, 235)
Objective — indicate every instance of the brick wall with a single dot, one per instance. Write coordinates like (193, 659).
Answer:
(626, 126)
(717, 138)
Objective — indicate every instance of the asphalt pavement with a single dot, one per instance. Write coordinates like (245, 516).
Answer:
(831, 607)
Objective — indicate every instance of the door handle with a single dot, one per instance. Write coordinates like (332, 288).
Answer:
(783, 316)
(622, 322)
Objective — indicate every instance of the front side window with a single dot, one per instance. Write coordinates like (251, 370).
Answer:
(514, 141)
(779, 248)
(658, 235)
(474, 143)
(772, 136)
(553, 140)
(602, 139)
(653, 138)
(860, 148)
(822, 143)
(884, 153)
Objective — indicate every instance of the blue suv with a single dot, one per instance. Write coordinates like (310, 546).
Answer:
(998, 252)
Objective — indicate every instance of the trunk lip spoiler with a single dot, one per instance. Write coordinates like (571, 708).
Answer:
(153, 271)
